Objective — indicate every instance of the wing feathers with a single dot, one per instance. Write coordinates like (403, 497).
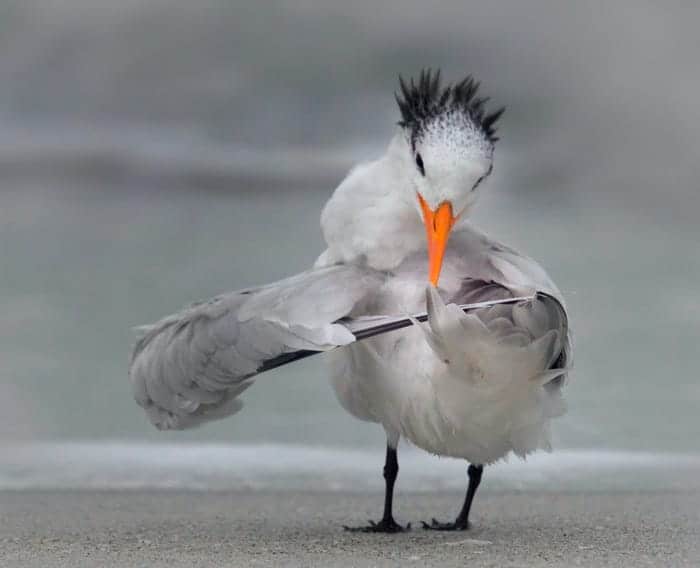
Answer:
(539, 325)
(191, 366)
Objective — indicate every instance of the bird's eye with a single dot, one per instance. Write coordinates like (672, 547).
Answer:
(419, 163)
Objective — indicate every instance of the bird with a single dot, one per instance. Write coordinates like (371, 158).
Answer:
(477, 385)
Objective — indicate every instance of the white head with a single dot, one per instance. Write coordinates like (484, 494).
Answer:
(450, 141)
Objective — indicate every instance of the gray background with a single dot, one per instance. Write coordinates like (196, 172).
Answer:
(154, 153)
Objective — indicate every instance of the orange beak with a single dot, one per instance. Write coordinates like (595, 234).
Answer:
(438, 225)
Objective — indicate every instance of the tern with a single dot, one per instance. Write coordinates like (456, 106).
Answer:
(481, 379)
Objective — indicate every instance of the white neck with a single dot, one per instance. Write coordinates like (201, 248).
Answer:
(373, 215)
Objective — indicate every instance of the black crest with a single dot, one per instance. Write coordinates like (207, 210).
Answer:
(419, 102)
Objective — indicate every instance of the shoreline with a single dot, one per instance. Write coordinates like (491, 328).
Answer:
(283, 467)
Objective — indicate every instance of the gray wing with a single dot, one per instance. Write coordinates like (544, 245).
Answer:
(494, 271)
(523, 323)
(192, 366)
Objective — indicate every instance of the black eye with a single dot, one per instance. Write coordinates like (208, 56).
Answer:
(419, 163)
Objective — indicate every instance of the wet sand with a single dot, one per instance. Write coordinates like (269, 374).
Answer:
(179, 528)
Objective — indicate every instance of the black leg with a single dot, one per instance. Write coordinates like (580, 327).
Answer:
(387, 524)
(461, 523)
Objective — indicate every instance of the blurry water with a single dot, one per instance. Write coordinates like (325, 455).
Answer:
(151, 156)
(83, 265)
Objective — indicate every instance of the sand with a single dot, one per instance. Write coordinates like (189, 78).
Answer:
(177, 528)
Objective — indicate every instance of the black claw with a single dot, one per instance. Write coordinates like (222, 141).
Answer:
(435, 525)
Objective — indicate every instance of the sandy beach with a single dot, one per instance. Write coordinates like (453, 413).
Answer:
(180, 528)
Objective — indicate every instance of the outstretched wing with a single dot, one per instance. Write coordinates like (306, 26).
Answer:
(192, 366)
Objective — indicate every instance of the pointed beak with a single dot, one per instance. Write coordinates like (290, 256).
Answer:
(438, 225)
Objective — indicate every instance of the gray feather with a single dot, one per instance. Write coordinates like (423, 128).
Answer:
(540, 323)
(190, 367)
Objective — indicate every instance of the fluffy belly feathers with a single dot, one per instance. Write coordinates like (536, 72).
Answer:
(487, 401)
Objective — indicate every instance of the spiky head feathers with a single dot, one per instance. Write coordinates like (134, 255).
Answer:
(426, 102)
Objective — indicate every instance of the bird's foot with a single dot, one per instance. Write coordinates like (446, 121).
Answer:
(384, 526)
(458, 525)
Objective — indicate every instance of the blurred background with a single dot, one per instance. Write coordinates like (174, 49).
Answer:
(155, 153)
